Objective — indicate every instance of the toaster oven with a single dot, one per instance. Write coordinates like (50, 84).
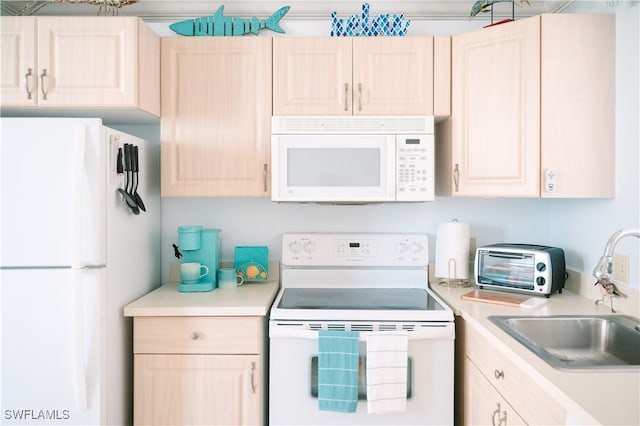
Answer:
(524, 268)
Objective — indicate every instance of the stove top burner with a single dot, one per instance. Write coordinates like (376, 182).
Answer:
(358, 299)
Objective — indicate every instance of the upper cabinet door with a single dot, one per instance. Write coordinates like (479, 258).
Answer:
(87, 66)
(353, 76)
(533, 110)
(496, 111)
(88, 61)
(18, 73)
(216, 116)
(393, 76)
(312, 76)
(578, 108)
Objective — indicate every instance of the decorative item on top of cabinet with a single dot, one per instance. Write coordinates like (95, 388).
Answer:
(360, 75)
(87, 63)
(385, 24)
(533, 110)
(105, 7)
(483, 6)
(216, 116)
(220, 25)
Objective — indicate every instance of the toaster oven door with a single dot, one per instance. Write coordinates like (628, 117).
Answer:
(506, 269)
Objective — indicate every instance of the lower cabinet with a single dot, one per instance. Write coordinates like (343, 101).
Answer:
(497, 391)
(199, 370)
(197, 389)
(483, 403)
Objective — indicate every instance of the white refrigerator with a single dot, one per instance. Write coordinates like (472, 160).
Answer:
(73, 253)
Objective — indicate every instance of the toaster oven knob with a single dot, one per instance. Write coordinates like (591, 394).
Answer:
(540, 281)
(541, 267)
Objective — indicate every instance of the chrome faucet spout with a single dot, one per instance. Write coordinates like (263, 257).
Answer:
(604, 268)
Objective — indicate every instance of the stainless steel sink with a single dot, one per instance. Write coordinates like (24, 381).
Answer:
(578, 342)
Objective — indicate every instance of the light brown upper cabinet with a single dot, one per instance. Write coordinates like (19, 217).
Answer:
(216, 116)
(533, 110)
(84, 63)
(360, 75)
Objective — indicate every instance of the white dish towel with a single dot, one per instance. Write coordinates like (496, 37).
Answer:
(387, 371)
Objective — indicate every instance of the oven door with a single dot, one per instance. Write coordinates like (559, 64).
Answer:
(333, 168)
(293, 353)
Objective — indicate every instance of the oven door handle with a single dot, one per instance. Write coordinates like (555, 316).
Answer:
(444, 331)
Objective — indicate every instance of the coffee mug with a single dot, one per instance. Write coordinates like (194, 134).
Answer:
(229, 278)
(192, 272)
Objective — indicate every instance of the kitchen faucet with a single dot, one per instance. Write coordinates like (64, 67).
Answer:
(604, 268)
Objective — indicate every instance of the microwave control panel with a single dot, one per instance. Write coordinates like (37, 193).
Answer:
(414, 168)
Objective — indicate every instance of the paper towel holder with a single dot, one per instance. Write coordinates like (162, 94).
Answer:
(452, 279)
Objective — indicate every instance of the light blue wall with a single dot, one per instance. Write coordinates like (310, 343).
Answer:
(581, 227)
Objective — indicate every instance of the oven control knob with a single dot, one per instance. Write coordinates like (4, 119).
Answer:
(309, 247)
(540, 281)
(416, 247)
(295, 247)
(402, 246)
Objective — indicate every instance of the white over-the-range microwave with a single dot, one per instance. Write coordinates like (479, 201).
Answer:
(352, 159)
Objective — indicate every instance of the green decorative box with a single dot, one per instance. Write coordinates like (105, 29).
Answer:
(252, 262)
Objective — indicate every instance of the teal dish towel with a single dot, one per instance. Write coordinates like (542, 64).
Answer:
(338, 355)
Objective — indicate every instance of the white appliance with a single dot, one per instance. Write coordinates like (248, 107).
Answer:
(366, 283)
(72, 255)
(355, 159)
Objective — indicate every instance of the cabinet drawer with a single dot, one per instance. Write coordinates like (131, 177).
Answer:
(197, 335)
(514, 384)
(484, 405)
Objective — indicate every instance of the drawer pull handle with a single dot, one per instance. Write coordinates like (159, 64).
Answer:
(498, 374)
(264, 177)
(253, 374)
(501, 421)
(346, 96)
(44, 88)
(456, 177)
(28, 78)
(195, 336)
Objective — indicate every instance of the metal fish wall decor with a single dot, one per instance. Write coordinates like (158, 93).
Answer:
(220, 25)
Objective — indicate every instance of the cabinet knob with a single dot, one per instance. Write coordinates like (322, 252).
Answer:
(498, 374)
(195, 335)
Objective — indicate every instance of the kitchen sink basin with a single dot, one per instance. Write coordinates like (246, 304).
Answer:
(578, 342)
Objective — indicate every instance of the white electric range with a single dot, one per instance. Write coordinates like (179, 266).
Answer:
(365, 283)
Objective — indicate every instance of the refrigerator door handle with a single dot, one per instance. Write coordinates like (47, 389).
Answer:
(79, 368)
(77, 180)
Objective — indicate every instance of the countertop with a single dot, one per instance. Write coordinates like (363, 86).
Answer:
(606, 397)
(250, 299)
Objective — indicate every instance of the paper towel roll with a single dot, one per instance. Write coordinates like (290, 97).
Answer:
(452, 251)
